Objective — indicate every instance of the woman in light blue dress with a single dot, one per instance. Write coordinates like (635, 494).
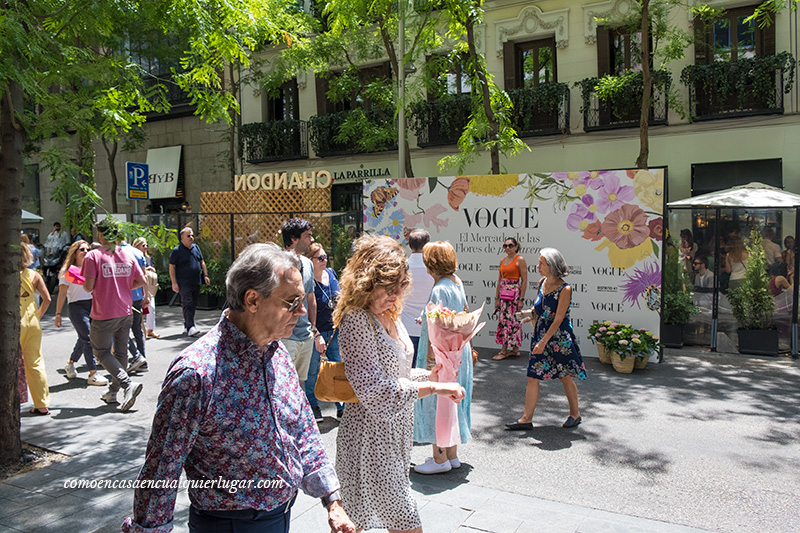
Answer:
(440, 260)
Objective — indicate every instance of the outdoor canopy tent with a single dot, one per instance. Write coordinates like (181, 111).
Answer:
(751, 196)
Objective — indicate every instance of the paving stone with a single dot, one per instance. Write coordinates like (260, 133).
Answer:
(56, 510)
(493, 522)
(440, 518)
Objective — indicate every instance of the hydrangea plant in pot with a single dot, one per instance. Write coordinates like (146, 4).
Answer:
(752, 304)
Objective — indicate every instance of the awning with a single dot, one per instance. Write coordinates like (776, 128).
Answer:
(29, 217)
(753, 195)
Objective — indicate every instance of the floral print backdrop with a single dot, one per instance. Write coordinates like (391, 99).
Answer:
(608, 225)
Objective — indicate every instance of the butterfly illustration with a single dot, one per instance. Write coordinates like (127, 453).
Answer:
(380, 197)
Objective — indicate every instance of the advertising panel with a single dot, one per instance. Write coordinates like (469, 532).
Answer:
(608, 225)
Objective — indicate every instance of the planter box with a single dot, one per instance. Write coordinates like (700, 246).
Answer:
(672, 335)
(758, 341)
(163, 297)
(207, 302)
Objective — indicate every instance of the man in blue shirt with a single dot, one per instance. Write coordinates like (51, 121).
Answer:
(187, 270)
(297, 238)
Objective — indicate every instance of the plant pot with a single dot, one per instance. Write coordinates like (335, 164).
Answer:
(207, 302)
(603, 354)
(758, 341)
(620, 365)
(163, 296)
(641, 361)
(672, 335)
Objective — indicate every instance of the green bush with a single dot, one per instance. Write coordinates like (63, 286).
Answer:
(751, 302)
(677, 306)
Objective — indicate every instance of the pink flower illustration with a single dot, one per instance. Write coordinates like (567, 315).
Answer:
(431, 217)
(612, 195)
(593, 180)
(593, 231)
(409, 187)
(626, 227)
(656, 228)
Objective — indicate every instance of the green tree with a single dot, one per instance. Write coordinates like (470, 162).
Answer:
(66, 73)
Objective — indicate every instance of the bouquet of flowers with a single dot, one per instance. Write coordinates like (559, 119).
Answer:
(449, 331)
(73, 275)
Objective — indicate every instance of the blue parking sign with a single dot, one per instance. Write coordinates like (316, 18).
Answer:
(138, 181)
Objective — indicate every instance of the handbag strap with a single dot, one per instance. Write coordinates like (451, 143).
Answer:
(371, 323)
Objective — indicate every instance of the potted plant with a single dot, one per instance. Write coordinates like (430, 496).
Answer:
(618, 342)
(598, 331)
(678, 306)
(752, 304)
(644, 344)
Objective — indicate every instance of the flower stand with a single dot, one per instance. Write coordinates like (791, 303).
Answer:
(622, 366)
(603, 354)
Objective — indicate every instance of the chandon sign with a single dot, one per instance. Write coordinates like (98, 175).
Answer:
(317, 179)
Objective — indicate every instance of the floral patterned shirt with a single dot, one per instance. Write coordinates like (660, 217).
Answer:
(230, 411)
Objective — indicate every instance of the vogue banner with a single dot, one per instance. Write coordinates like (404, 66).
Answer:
(608, 225)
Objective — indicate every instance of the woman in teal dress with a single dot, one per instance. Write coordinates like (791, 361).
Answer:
(440, 260)
(555, 353)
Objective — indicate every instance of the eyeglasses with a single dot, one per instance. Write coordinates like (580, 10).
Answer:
(321, 258)
(394, 288)
(697, 263)
(294, 304)
(83, 249)
(506, 245)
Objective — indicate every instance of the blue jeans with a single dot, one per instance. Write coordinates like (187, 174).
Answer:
(244, 521)
(415, 342)
(332, 354)
(79, 316)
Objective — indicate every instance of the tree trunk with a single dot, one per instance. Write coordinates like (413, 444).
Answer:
(647, 90)
(494, 127)
(111, 156)
(12, 168)
(394, 62)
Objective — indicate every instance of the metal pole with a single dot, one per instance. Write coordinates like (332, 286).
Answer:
(715, 298)
(795, 287)
(401, 75)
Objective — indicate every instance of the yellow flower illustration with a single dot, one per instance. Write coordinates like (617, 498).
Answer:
(650, 189)
(628, 257)
(495, 185)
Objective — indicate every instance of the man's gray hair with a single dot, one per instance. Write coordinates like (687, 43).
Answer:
(259, 267)
(186, 230)
(556, 262)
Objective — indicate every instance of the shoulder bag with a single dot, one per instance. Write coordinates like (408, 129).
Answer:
(332, 384)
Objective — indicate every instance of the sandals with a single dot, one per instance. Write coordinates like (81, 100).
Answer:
(514, 353)
(37, 412)
(500, 356)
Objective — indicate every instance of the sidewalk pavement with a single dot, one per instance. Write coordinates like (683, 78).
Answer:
(737, 473)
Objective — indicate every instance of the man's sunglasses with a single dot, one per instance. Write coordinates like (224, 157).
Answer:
(294, 304)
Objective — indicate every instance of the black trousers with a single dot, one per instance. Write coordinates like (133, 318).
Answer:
(189, 295)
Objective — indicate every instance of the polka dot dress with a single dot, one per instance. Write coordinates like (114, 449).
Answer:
(373, 446)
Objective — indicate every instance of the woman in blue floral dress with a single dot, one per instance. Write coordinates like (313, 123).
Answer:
(555, 353)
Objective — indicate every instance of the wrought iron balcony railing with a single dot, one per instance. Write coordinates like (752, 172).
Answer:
(541, 110)
(277, 140)
(749, 86)
(368, 131)
(440, 122)
(623, 108)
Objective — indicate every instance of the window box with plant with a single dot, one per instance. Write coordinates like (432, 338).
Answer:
(541, 109)
(441, 121)
(277, 140)
(752, 304)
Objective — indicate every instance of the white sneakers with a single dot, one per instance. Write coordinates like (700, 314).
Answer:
(94, 379)
(193, 332)
(130, 395)
(432, 467)
(70, 370)
(109, 397)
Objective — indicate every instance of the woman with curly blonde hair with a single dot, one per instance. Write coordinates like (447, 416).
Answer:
(373, 447)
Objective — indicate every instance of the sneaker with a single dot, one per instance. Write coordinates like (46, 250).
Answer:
(70, 370)
(143, 368)
(432, 467)
(339, 413)
(193, 332)
(109, 397)
(137, 363)
(129, 398)
(185, 331)
(455, 463)
(317, 413)
(94, 379)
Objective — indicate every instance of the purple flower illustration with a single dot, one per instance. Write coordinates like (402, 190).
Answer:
(582, 214)
(593, 180)
(612, 195)
(643, 283)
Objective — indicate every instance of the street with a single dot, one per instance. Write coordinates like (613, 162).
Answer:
(702, 440)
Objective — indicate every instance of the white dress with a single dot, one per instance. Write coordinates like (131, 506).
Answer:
(373, 447)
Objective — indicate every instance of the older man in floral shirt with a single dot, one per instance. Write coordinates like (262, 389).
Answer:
(233, 415)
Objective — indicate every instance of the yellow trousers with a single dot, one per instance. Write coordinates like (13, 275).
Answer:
(30, 340)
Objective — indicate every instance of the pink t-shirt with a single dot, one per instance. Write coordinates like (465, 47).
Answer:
(114, 274)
